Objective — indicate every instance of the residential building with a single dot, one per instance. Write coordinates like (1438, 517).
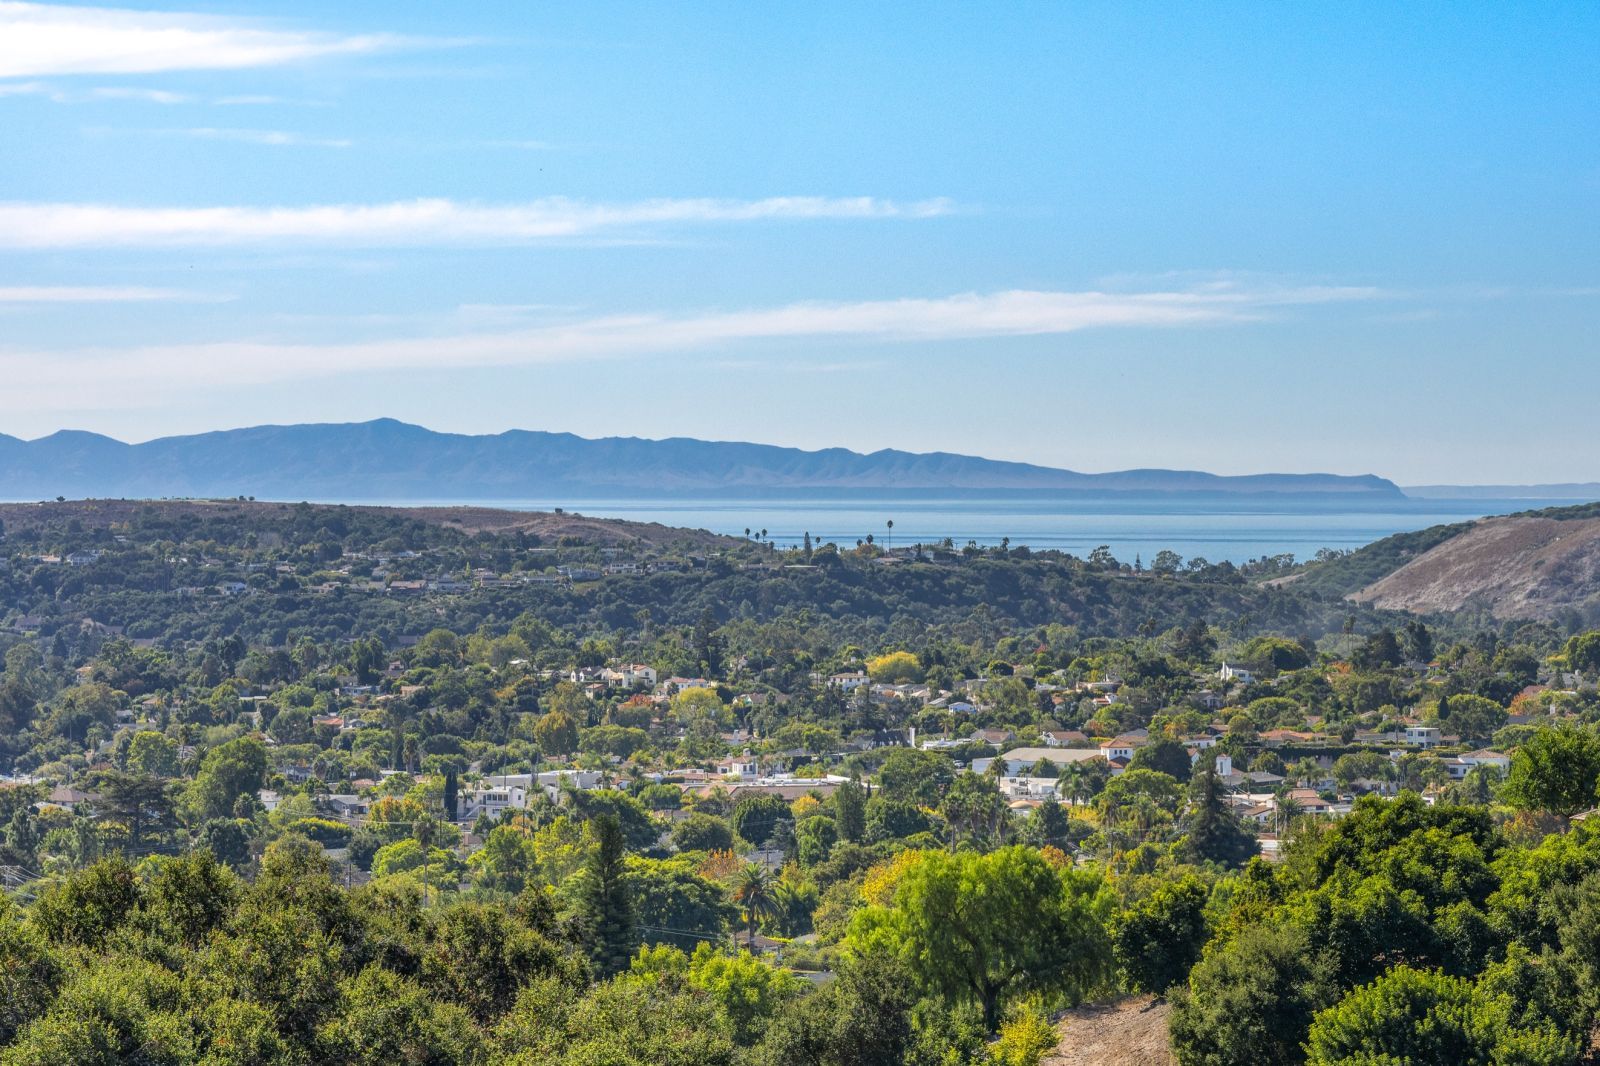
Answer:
(1019, 760)
(1236, 674)
(491, 800)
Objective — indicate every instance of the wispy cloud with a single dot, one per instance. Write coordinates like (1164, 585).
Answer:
(149, 96)
(271, 138)
(74, 294)
(263, 100)
(56, 94)
(412, 222)
(50, 39)
(122, 376)
(59, 94)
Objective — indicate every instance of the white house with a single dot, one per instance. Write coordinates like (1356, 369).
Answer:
(1121, 747)
(745, 765)
(581, 780)
(1487, 757)
(629, 675)
(1422, 736)
(674, 685)
(491, 800)
(1235, 673)
(1029, 788)
(1462, 765)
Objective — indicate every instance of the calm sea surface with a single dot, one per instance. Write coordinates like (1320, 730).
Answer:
(1235, 530)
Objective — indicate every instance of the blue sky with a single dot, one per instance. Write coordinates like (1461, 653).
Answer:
(1345, 237)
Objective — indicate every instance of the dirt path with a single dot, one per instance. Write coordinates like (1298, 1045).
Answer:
(1129, 1032)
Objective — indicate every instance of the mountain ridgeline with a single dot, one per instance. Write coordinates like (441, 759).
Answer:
(390, 460)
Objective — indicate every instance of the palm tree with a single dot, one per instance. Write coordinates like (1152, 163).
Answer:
(1110, 812)
(888, 539)
(1071, 782)
(1288, 810)
(1145, 816)
(753, 892)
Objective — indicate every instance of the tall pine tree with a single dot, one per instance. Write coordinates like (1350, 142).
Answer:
(607, 904)
(451, 791)
(850, 812)
(1215, 834)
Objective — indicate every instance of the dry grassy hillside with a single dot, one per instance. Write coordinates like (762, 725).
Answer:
(1516, 567)
(1130, 1032)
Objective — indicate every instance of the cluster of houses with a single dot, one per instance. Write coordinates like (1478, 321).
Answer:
(1256, 796)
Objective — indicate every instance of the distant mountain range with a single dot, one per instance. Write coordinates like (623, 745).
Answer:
(390, 460)
(1572, 490)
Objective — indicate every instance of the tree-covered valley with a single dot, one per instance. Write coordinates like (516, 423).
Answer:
(295, 784)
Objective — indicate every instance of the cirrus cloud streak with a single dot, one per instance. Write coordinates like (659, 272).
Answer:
(52, 39)
(120, 377)
(27, 225)
(79, 294)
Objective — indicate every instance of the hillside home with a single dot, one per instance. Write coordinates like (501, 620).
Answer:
(1236, 674)
(345, 805)
(1422, 736)
(745, 765)
(492, 801)
(1029, 788)
(1460, 766)
(1122, 747)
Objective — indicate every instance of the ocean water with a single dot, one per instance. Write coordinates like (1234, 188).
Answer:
(1216, 529)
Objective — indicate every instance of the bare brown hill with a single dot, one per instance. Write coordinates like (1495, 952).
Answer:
(1129, 1032)
(1514, 567)
(546, 524)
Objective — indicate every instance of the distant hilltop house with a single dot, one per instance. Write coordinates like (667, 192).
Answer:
(490, 801)
(1237, 674)
(1462, 765)
(502, 792)
(579, 573)
(70, 799)
(629, 675)
(1121, 747)
(674, 685)
(745, 765)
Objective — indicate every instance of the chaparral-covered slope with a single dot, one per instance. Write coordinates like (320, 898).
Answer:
(1523, 566)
